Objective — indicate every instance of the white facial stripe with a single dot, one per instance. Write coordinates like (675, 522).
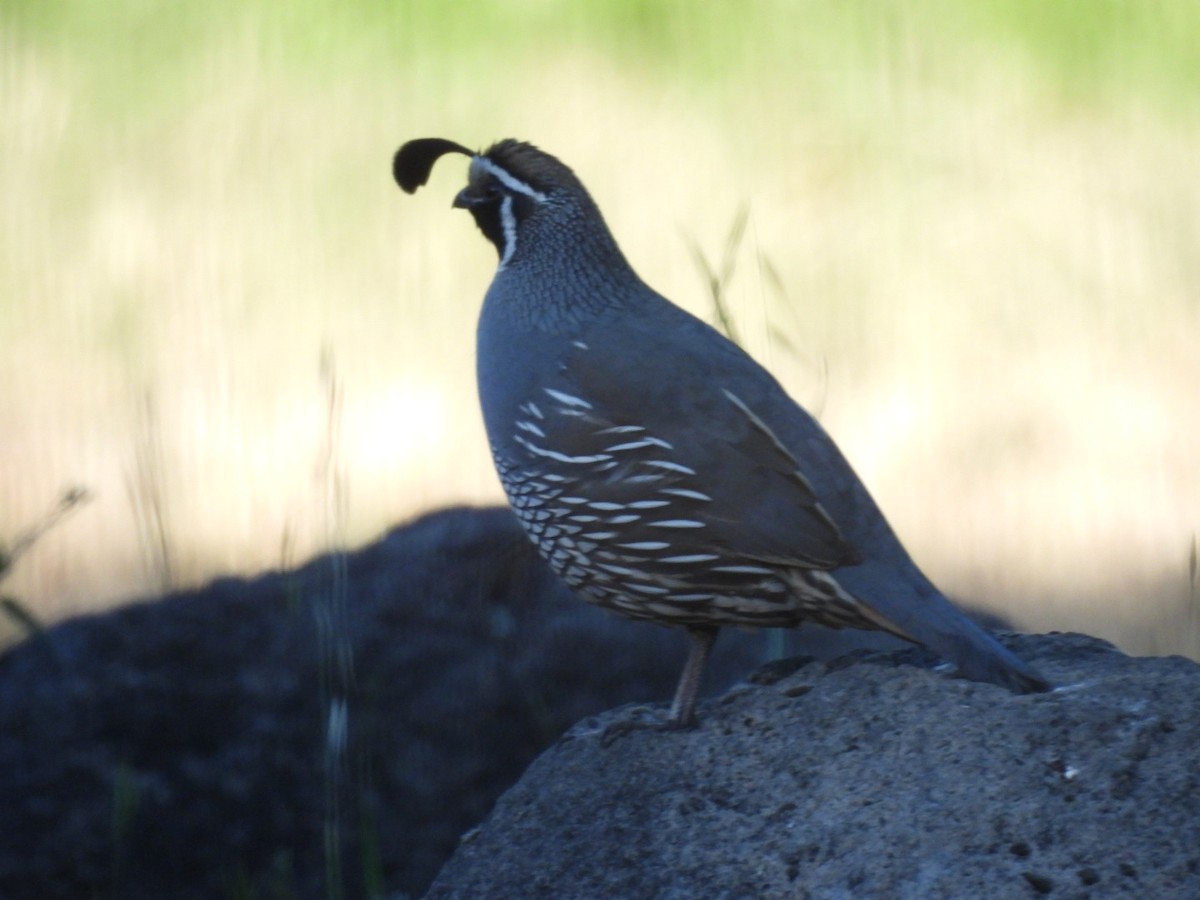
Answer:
(507, 180)
(508, 222)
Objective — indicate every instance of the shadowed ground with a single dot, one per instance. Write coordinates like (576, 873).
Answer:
(176, 748)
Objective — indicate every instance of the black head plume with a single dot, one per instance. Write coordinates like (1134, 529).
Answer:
(414, 161)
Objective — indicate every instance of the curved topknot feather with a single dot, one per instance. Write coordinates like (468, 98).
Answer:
(414, 161)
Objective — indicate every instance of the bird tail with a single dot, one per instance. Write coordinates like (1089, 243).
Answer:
(980, 657)
(907, 605)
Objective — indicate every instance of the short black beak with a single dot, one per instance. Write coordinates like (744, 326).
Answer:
(464, 199)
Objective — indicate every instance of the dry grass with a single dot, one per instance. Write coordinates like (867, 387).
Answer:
(992, 289)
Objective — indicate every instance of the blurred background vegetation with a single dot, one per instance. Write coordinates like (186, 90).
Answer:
(972, 247)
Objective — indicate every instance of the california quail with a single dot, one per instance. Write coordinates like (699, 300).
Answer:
(660, 470)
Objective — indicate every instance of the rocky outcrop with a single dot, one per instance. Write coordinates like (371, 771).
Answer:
(871, 777)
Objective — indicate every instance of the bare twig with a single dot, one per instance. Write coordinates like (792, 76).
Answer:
(718, 280)
(70, 500)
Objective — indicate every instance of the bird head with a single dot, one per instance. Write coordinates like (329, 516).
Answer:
(509, 184)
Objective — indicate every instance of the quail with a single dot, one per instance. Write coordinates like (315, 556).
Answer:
(661, 471)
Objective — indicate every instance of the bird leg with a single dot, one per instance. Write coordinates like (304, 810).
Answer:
(683, 713)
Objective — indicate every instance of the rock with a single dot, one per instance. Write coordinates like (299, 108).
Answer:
(869, 778)
(177, 748)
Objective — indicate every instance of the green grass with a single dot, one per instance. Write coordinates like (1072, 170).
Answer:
(969, 244)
